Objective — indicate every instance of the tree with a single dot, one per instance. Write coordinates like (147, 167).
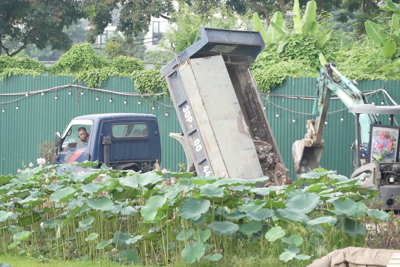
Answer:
(37, 22)
(134, 15)
(130, 46)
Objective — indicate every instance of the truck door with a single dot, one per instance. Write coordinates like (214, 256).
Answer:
(76, 142)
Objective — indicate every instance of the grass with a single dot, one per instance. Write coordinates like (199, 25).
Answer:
(21, 261)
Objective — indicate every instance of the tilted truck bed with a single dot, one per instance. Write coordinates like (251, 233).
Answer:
(225, 130)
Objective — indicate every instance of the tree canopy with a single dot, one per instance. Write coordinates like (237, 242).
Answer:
(38, 22)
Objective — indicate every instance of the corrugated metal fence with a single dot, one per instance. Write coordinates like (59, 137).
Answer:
(39, 116)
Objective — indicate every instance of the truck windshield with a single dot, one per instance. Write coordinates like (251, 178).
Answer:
(76, 135)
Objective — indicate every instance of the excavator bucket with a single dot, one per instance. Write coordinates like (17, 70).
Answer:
(306, 156)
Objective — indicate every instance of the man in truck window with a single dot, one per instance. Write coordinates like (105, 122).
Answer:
(83, 135)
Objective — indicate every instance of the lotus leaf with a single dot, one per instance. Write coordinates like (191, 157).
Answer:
(275, 233)
(193, 252)
(193, 208)
(223, 228)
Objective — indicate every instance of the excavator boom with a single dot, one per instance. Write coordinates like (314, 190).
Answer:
(307, 152)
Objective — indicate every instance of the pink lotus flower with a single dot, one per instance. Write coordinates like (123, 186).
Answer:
(223, 174)
(41, 161)
(47, 180)
(55, 180)
(99, 178)
(18, 171)
(30, 165)
(183, 194)
(102, 194)
(164, 171)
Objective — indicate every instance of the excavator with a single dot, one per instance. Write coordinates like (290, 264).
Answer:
(375, 150)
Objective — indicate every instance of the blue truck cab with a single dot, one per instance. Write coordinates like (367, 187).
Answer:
(123, 141)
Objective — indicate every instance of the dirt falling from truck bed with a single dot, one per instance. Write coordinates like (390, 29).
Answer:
(270, 164)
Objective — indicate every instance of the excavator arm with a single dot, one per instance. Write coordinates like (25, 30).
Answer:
(307, 152)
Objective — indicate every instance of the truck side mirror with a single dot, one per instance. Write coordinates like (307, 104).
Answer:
(57, 139)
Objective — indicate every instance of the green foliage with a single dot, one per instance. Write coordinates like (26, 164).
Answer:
(7, 62)
(129, 46)
(157, 223)
(387, 41)
(6, 73)
(80, 57)
(187, 24)
(159, 56)
(37, 22)
(96, 77)
(149, 82)
(127, 64)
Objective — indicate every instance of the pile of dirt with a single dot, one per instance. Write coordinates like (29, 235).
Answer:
(271, 167)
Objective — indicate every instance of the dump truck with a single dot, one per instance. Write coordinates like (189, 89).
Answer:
(224, 128)
(225, 131)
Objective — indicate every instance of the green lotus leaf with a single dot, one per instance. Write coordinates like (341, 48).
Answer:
(287, 256)
(92, 237)
(86, 222)
(223, 228)
(213, 257)
(22, 236)
(260, 215)
(28, 220)
(121, 238)
(303, 203)
(133, 240)
(293, 248)
(185, 234)
(104, 244)
(49, 224)
(324, 219)
(382, 215)
(293, 240)
(251, 207)
(130, 256)
(149, 211)
(193, 252)
(193, 208)
(302, 257)
(250, 228)
(233, 215)
(4, 215)
(202, 236)
(264, 191)
(92, 188)
(292, 215)
(14, 244)
(211, 191)
(346, 207)
(5, 179)
(362, 210)
(62, 194)
(275, 233)
(352, 228)
(102, 204)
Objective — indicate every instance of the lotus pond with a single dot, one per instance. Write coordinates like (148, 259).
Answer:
(165, 218)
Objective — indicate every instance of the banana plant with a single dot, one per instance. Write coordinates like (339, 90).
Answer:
(387, 41)
(274, 31)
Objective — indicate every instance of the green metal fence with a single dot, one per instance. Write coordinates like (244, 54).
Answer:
(39, 116)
